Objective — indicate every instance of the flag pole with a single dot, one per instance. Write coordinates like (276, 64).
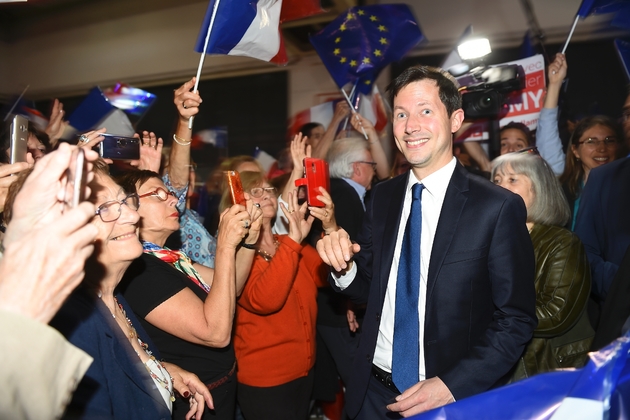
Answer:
(566, 44)
(345, 123)
(203, 54)
(17, 101)
(352, 108)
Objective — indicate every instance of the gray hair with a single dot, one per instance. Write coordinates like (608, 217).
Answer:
(550, 206)
(343, 153)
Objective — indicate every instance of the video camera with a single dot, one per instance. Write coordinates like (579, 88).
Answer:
(486, 89)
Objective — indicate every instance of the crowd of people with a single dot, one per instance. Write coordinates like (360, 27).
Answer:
(415, 285)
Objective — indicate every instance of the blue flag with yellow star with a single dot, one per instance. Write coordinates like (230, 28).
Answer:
(360, 42)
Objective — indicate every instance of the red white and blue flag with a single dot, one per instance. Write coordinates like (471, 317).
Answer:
(247, 28)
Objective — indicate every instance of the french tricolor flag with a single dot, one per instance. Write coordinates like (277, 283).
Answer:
(244, 27)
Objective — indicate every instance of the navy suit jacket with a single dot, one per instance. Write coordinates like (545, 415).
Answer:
(603, 224)
(117, 385)
(480, 310)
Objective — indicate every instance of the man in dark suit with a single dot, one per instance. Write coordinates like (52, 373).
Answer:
(474, 300)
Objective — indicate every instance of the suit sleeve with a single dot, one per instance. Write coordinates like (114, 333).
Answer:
(511, 274)
(590, 227)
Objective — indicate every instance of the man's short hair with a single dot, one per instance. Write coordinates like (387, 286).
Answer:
(447, 85)
(343, 153)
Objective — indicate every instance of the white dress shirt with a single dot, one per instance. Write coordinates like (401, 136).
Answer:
(432, 199)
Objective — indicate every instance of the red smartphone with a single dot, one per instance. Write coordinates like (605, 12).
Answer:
(236, 187)
(315, 175)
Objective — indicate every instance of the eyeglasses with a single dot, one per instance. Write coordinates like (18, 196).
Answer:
(367, 163)
(528, 151)
(160, 193)
(259, 191)
(595, 142)
(110, 210)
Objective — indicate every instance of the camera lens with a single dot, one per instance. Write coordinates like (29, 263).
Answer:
(122, 142)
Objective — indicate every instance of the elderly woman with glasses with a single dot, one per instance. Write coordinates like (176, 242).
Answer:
(187, 308)
(563, 281)
(127, 378)
(274, 335)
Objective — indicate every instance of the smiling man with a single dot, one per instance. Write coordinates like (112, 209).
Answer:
(444, 263)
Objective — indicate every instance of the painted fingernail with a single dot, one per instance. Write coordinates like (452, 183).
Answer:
(186, 394)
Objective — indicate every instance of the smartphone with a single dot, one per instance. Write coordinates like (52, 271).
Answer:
(117, 147)
(76, 179)
(19, 138)
(235, 186)
(315, 175)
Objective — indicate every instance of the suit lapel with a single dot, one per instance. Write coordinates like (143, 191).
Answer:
(454, 202)
(392, 221)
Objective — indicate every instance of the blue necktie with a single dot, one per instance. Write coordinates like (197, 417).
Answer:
(406, 345)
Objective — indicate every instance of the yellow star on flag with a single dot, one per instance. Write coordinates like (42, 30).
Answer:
(383, 41)
(366, 60)
(349, 16)
(378, 53)
(342, 27)
(373, 18)
(353, 63)
(361, 12)
(368, 82)
(337, 40)
(343, 60)
(382, 28)
(337, 51)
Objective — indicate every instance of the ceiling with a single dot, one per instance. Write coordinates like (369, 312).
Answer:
(504, 21)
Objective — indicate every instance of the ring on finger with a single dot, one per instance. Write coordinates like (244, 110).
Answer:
(257, 205)
(246, 223)
(326, 214)
(553, 72)
(184, 104)
(84, 139)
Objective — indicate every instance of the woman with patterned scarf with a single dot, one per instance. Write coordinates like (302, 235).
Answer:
(186, 308)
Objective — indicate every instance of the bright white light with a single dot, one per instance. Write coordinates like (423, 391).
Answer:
(474, 48)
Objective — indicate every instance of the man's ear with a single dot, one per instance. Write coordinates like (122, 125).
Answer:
(456, 120)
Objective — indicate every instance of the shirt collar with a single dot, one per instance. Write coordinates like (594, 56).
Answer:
(360, 189)
(436, 183)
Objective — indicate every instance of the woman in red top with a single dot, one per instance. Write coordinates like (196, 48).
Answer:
(274, 336)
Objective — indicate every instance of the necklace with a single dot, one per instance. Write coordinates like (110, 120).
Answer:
(266, 256)
(165, 380)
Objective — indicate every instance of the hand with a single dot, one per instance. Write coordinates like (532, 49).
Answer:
(353, 324)
(44, 263)
(56, 124)
(255, 215)
(337, 249)
(299, 224)
(43, 191)
(187, 102)
(325, 214)
(6, 179)
(150, 152)
(364, 126)
(91, 139)
(299, 150)
(188, 385)
(342, 110)
(557, 70)
(234, 226)
(421, 397)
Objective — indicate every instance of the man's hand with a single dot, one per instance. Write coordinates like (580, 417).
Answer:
(56, 123)
(421, 397)
(337, 249)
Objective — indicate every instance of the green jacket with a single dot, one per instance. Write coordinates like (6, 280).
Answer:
(563, 284)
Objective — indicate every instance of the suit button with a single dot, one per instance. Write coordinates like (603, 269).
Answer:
(378, 317)
(367, 357)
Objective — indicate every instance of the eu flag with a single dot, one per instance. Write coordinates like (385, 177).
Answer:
(360, 42)
(598, 7)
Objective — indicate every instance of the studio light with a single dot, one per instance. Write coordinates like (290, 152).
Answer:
(474, 48)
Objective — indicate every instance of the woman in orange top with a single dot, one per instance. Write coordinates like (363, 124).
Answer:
(274, 336)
